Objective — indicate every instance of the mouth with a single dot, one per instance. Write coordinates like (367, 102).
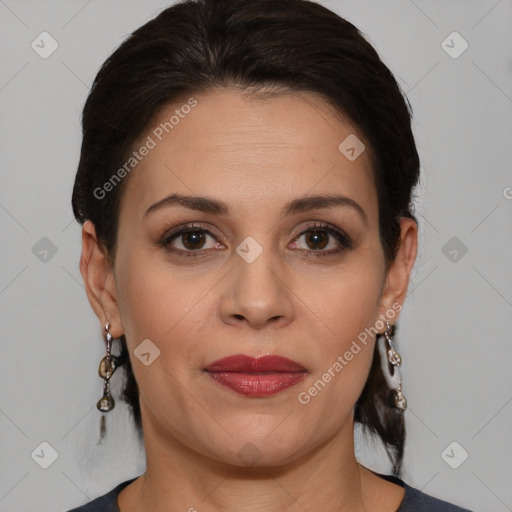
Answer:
(259, 377)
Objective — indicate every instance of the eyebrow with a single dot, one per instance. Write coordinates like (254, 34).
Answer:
(299, 205)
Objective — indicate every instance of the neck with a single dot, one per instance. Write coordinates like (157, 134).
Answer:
(178, 478)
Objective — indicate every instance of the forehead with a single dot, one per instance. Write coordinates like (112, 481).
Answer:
(250, 150)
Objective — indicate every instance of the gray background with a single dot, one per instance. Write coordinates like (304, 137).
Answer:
(454, 332)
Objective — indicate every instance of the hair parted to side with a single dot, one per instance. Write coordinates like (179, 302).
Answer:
(291, 45)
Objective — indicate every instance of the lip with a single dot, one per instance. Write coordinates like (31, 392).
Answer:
(248, 364)
(256, 377)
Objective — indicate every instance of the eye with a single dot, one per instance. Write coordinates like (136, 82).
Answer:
(192, 240)
(321, 235)
(189, 241)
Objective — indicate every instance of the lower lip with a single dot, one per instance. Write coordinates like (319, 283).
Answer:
(258, 384)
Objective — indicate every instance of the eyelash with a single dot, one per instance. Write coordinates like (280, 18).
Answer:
(342, 238)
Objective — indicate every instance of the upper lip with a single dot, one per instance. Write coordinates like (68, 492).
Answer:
(248, 364)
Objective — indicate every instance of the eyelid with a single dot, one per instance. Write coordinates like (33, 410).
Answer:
(340, 235)
(176, 232)
(346, 241)
(191, 226)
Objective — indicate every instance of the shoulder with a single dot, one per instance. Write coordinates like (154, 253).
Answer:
(414, 500)
(105, 503)
(417, 501)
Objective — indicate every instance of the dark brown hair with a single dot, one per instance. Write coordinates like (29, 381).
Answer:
(294, 45)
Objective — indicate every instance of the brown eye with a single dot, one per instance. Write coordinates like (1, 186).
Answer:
(193, 239)
(320, 236)
(317, 239)
(190, 240)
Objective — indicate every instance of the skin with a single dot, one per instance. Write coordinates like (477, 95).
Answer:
(255, 154)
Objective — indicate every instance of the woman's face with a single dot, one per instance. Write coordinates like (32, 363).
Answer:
(249, 279)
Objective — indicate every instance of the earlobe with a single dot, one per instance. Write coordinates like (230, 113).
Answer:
(98, 276)
(397, 279)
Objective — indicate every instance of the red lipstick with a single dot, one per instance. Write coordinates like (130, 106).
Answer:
(259, 377)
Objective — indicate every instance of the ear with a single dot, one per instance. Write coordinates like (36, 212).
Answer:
(98, 276)
(397, 278)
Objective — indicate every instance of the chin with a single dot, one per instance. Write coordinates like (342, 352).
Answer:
(258, 449)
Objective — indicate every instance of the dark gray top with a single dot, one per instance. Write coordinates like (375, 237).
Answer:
(414, 500)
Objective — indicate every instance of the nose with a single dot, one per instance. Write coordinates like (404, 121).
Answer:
(257, 293)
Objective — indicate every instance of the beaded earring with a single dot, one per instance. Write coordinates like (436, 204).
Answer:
(388, 355)
(108, 366)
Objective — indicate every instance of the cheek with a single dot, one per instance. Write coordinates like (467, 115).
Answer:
(349, 310)
(162, 305)
(343, 363)
(349, 302)
(157, 305)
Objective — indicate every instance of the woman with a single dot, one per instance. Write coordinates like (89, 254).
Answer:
(245, 192)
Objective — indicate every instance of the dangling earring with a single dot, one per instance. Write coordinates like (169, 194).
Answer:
(108, 366)
(388, 355)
